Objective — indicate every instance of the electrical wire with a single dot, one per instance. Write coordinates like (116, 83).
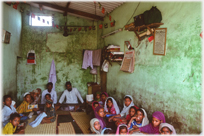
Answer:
(132, 14)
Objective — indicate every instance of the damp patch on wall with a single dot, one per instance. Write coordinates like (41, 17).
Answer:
(56, 42)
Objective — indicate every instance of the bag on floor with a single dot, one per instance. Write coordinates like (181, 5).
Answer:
(152, 16)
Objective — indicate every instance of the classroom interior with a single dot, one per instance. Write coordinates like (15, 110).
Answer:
(169, 82)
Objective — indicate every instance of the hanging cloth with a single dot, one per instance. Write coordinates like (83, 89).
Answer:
(87, 60)
(52, 75)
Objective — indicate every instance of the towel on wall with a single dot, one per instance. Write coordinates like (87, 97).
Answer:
(96, 57)
(87, 60)
(52, 75)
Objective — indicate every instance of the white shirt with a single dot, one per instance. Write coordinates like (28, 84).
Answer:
(53, 96)
(71, 97)
(6, 112)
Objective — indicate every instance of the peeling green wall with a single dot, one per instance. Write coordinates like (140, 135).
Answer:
(171, 83)
(11, 22)
(68, 64)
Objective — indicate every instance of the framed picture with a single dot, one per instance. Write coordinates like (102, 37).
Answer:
(6, 37)
(159, 47)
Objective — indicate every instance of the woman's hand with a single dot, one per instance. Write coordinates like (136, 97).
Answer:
(110, 119)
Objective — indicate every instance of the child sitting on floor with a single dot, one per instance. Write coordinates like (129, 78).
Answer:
(23, 107)
(153, 127)
(98, 97)
(111, 106)
(50, 111)
(122, 130)
(35, 95)
(128, 102)
(166, 129)
(99, 114)
(8, 109)
(95, 126)
(10, 127)
(95, 104)
(104, 96)
(132, 113)
(48, 97)
(139, 120)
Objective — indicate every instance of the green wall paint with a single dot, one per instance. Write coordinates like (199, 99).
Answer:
(68, 64)
(171, 83)
(11, 22)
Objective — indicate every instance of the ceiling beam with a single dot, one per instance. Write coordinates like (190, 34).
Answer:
(65, 12)
(69, 10)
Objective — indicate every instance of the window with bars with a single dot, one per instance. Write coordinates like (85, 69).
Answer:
(40, 20)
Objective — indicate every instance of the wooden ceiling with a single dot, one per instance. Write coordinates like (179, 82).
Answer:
(83, 9)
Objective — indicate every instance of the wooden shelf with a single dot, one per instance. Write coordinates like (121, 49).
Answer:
(143, 27)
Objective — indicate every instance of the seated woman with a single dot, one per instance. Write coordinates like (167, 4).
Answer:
(166, 129)
(95, 126)
(139, 120)
(153, 127)
(99, 114)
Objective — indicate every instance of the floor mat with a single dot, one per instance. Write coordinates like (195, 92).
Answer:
(82, 120)
(47, 128)
(60, 112)
(66, 128)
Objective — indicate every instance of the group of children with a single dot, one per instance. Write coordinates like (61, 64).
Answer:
(131, 120)
(13, 118)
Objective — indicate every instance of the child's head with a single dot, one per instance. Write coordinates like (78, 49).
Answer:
(35, 93)
(108, 131)
(103, 96)
(27, 97)
(7, 100)
(95, 104)
(123, 130)
(95, 125)
(39, 90)
(158, 118)
(100, 111)
(132, 111)
(47, 96)
(49, 103)
(128, 100)
(139, 116)
(166, 129)
(49, 86)
(109, 102)
(98, 95)
(15, 119)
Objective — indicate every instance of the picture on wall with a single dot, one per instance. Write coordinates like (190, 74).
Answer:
(6, 36)
(159, 47)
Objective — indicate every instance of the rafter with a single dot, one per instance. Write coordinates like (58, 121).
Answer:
(69, 10)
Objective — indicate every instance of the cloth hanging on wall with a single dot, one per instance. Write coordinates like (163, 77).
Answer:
(31, 57)
(94, 71)
(52, 75)
(96, 57)
(87, 59)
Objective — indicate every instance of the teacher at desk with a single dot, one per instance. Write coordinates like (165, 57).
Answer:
(71, 95)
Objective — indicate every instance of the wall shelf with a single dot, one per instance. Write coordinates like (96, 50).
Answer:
(143, 27)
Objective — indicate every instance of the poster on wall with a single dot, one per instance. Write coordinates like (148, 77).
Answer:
(159, 47)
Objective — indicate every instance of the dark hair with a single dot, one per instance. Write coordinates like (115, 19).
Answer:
(166, 127)
(95, 103)
(68, 83)
(109, 131)
(50, 83)
(140, 111)
(122, 127)
(128, 97)
(133, 107)
(103, 94)
(48, 95)
(6, 96)
(14, 115)
(109, 99)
